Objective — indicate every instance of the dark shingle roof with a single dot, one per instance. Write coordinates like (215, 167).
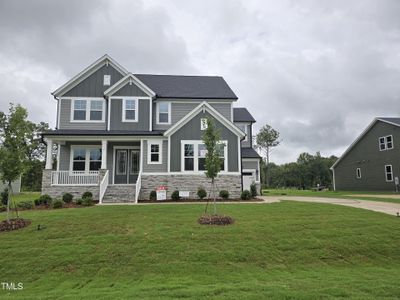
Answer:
(100, 132)
(241, 114)
(175, 86)
(392, 120)
(250, 153)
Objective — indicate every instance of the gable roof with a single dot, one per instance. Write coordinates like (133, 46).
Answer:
(129, 78)
(204, 106)
(241, 114)
(195, 87)
(105, 59)
(392, 121)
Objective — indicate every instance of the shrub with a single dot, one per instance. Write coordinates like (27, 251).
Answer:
(37, 202)
(253, 190)
(25, 205)
(245, 195)
(57, 204)
(4, 196)
(87, 201)
(67, 197)
(87, 195)
(201, 193)
(78, 201)
(224, 194)
(2, 208)
(175, 195)
(45, 199)
(153, 195)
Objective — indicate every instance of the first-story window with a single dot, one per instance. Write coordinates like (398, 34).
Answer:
(130, 110)
(389, 173)
(86, 159)
(194, 156)
(358, 173)
(154, 152)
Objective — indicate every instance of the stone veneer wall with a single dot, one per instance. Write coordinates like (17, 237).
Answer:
(231, 183)
(57, 191)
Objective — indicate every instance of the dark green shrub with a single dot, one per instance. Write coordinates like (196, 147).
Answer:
(25, 205)
(78, 201)
(4, 196)
(224, 194)
(87, 195)
(37, 202)
(57, 204)
(245, 195)
(67, 197)
(153, 195)
(201, 193)
(45, 199)
(88, 201)
(253, 190)
(175, 195)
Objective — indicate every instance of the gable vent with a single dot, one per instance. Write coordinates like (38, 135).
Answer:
(107, 79)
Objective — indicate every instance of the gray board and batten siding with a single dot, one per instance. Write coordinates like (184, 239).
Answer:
(191, 131)
(367, 156)
(143, 117)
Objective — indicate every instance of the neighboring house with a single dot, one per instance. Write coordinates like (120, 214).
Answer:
(122, 135)
(15, 186)
(372, 162)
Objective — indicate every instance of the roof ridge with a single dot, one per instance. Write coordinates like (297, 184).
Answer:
(171, 75)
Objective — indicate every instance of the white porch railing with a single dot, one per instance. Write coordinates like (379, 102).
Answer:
(138, 186)
(74, 178)
(103, 186)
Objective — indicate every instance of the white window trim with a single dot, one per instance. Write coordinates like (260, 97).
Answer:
(160, 144)
(385, 142)
(88, 100)
(196, 156)
(106, 79)
(358, 170)
(391, 172)
(87, 157)
(136, 99)
(158, 113)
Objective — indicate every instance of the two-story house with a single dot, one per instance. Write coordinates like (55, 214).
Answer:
(122, 135)
(372, 160)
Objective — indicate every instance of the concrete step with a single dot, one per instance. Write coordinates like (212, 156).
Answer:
(120, 194)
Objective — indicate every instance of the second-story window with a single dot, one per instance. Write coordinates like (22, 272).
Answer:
(129, 113)
(164, 113)
(84, 110)
(386, 143)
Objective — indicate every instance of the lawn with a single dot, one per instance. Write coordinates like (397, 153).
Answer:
(25, 196)
(333, 194)
(286, 250)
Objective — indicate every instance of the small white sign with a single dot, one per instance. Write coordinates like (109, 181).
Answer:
(184, 194)
(162, 195)
(203, 124)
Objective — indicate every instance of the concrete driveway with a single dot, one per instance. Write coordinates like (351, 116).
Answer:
(383, 207)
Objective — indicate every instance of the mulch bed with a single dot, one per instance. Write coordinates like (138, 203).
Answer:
(14, 224)
(215, 220)
(198, 200)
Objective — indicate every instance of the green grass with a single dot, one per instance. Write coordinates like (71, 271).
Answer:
(332, 194)
(25, 196)
(286, 250)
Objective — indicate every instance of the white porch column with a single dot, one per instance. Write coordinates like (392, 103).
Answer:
(49, 158)
(104, 154)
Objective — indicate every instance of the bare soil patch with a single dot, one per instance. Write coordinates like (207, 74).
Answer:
(215, 220)
(13, 224)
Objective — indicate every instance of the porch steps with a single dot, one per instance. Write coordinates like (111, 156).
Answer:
(120, 193)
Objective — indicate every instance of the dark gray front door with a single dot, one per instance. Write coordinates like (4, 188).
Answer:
(127, 162)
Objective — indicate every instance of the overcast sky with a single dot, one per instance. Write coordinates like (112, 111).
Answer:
(316, 71)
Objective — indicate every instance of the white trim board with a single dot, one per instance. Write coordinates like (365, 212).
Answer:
(129, 79)
(74, 81)
(360, 137)
(213, 112)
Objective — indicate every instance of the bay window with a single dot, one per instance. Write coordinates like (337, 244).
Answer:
(194, 156)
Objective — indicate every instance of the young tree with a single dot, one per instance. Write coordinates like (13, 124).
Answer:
(15, 140)
(211, 139)
(266, 139)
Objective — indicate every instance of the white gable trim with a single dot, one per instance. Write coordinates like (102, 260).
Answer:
(105, 59)
(129, 78)
(205, 106)
(360, 137)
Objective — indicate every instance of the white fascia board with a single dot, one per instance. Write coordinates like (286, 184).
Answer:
(89, 71)
(213, 112)
(125, 80)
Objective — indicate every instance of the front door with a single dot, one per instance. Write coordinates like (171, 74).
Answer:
(127, 163)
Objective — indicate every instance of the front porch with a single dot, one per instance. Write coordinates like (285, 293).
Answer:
(109, 169)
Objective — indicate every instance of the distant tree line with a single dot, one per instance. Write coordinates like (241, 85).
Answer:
(309, 171)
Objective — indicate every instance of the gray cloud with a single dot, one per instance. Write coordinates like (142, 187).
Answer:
(316, 71)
